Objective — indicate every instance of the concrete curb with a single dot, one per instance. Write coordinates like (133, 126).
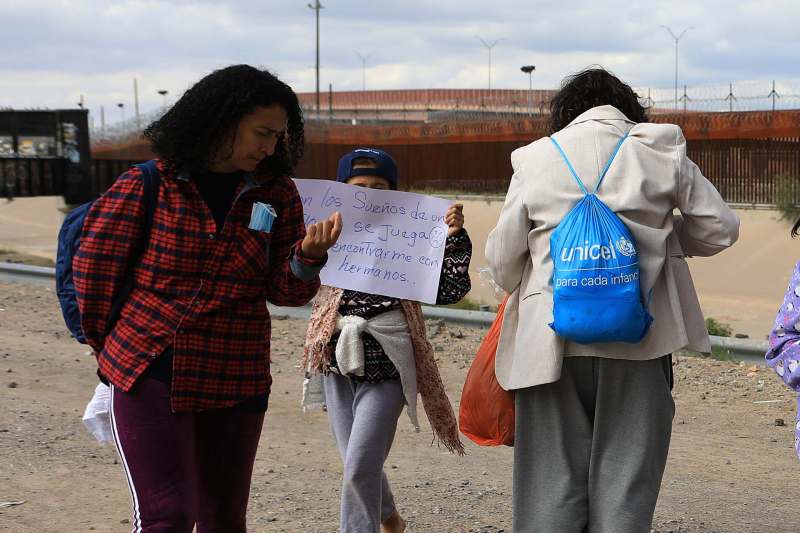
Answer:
(741, 349)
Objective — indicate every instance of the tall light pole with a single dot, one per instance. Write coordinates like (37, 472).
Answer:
(363, 69)
(676, 39)
(489, 47)
(136, 102)
(316, 6)
(163, 93)
(528, 69)
(121, 106)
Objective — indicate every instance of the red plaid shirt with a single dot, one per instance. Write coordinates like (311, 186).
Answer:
(200, 291)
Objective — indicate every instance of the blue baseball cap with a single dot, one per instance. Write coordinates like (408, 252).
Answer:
(385, 167)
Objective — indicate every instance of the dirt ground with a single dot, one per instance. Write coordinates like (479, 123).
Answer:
(731, 468)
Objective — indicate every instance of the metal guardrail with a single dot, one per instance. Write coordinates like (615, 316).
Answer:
(739, 349)
(742, 349)
(27, 273)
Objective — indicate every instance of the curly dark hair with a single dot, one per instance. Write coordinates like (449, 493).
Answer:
(195, 129)
(590, 88)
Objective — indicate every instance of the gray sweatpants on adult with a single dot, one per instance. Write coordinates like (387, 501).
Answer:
(590, 449)
(363, 418)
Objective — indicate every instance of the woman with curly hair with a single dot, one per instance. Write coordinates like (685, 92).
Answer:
(593, 421)
(188, 358)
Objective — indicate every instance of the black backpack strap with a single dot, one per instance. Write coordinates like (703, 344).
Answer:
(152, 181)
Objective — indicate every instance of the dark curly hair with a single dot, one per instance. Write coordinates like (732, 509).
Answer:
(591, 88)
(197, 127)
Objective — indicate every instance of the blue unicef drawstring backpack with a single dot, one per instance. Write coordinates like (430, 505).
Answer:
(596, 293)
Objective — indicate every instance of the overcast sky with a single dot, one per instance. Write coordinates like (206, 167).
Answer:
(55, 50)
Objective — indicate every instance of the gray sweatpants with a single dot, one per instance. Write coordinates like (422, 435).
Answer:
(590, 449)
(363, 418)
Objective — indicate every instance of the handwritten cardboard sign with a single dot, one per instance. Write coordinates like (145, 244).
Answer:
(392, 242)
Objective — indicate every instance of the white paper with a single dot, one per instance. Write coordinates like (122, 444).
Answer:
(392, 242)
(96, 416)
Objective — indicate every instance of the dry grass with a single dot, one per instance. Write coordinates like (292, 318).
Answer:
(13, 256)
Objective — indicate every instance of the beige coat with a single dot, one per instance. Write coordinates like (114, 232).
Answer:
(650, 177)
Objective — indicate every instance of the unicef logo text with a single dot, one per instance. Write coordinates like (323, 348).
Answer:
(595, 252)
(588, 252)
(626, 247)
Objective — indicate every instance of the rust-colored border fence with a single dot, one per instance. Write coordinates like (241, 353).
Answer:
(750, 171)
(473, 167)
(744, 154)
(745, 171)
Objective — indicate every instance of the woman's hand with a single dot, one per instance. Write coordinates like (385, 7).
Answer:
(320, 236)
(454, 219)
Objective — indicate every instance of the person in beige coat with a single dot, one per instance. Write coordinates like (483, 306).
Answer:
(593, 422)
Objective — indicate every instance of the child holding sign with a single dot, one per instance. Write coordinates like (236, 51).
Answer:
(375, 357)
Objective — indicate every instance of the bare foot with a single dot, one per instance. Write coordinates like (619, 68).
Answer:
(394, 524)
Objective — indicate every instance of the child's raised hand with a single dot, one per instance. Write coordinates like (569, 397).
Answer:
(320, 236)
(454, 218)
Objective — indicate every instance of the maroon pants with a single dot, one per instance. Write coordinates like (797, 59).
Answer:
(184, 468)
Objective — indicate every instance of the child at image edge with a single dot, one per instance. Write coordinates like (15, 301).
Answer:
(784, 341)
